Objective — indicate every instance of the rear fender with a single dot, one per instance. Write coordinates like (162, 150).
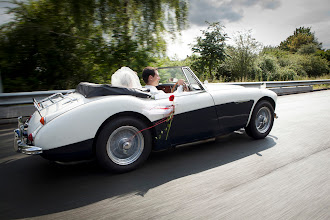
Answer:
(83, 122)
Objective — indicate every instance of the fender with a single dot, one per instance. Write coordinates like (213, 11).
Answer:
(80, 124)
(235, 105)
(264, 94)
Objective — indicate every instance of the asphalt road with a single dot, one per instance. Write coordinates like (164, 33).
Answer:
(284, 176)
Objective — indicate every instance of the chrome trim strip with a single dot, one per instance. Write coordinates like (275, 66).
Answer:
(196, 142)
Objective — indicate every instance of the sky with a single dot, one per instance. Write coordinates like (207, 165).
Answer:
(270, 21)
(3, 8)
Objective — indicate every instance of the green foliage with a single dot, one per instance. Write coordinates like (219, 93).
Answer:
(325, 54)
(307, 49)
(244, 63)
(293, 66)
(211, 48)
(197, 65)
(141, 21)
(314, 65)
(275, 63)
(165, 62)
(268, 64)
(55, 44)
(241, 59)
(34, 56)
(286, 73)
(301, 36)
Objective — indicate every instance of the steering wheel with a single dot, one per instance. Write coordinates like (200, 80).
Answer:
(185, 87)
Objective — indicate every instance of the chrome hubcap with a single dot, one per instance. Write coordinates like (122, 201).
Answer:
(125, 145)
(263, 120)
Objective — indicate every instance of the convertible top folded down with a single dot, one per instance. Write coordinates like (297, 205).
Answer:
(90, 90)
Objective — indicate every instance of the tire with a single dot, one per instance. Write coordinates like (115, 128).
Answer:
(120, 147)
(261, 121)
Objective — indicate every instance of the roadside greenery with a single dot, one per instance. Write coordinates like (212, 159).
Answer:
(298, 57)
(55, 44)
(211, 48)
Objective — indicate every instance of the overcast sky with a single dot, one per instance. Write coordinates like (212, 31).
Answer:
(3, 16)
(270, 21)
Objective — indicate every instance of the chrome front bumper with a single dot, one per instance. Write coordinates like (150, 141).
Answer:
(20, 140)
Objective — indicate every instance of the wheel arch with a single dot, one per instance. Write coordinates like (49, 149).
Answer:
(123, 114)
(264, 98)
(269, 99)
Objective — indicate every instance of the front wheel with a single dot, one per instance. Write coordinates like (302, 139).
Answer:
(261, 121)
(121, 146)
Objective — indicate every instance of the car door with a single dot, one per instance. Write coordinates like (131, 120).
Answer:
(195, 118)
(233, 107)
(195, 113)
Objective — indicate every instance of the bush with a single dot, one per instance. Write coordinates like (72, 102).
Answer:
(268, 63)
(286, 73)
(274, 76)
(313, 65)
(307, 49)
(268, 66)
(298, 69)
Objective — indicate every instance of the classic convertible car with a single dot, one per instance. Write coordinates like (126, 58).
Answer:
(120, 126)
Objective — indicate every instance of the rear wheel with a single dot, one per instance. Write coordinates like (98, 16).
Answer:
(121, 146)
(261, 121)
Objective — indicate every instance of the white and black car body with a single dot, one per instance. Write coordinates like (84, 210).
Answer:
(101, 121)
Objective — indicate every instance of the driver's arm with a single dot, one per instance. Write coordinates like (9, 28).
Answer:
(180, 86)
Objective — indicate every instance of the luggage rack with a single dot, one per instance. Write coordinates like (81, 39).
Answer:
(41, 104)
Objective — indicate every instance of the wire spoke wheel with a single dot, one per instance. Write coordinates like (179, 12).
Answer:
(125, 145)
(263, 120)
(121, 147)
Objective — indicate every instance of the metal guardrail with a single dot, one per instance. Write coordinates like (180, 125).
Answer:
(21, 98)
(281, 84)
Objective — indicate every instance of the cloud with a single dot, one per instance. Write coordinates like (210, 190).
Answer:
(201, 11)
(265, 4)
(271, 4)
(227, 10)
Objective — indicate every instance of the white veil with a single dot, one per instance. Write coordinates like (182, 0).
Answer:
(125, 77)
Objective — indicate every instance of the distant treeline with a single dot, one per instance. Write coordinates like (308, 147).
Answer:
(300, 56)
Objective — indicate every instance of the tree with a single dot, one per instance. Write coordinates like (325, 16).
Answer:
(325, 54)
(301, 36)
(143, 22)
(211, 47)
(54, 44)
(242, 56)
(40, 52)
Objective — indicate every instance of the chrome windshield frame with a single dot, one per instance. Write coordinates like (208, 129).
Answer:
(192, 74)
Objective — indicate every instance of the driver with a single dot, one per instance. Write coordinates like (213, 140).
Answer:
(151, 78)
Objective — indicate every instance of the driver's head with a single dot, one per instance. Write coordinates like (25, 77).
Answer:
(150, 76)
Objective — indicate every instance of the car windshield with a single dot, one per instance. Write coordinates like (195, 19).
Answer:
(171, 75)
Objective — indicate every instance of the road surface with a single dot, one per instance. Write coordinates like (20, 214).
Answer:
(284, 176)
